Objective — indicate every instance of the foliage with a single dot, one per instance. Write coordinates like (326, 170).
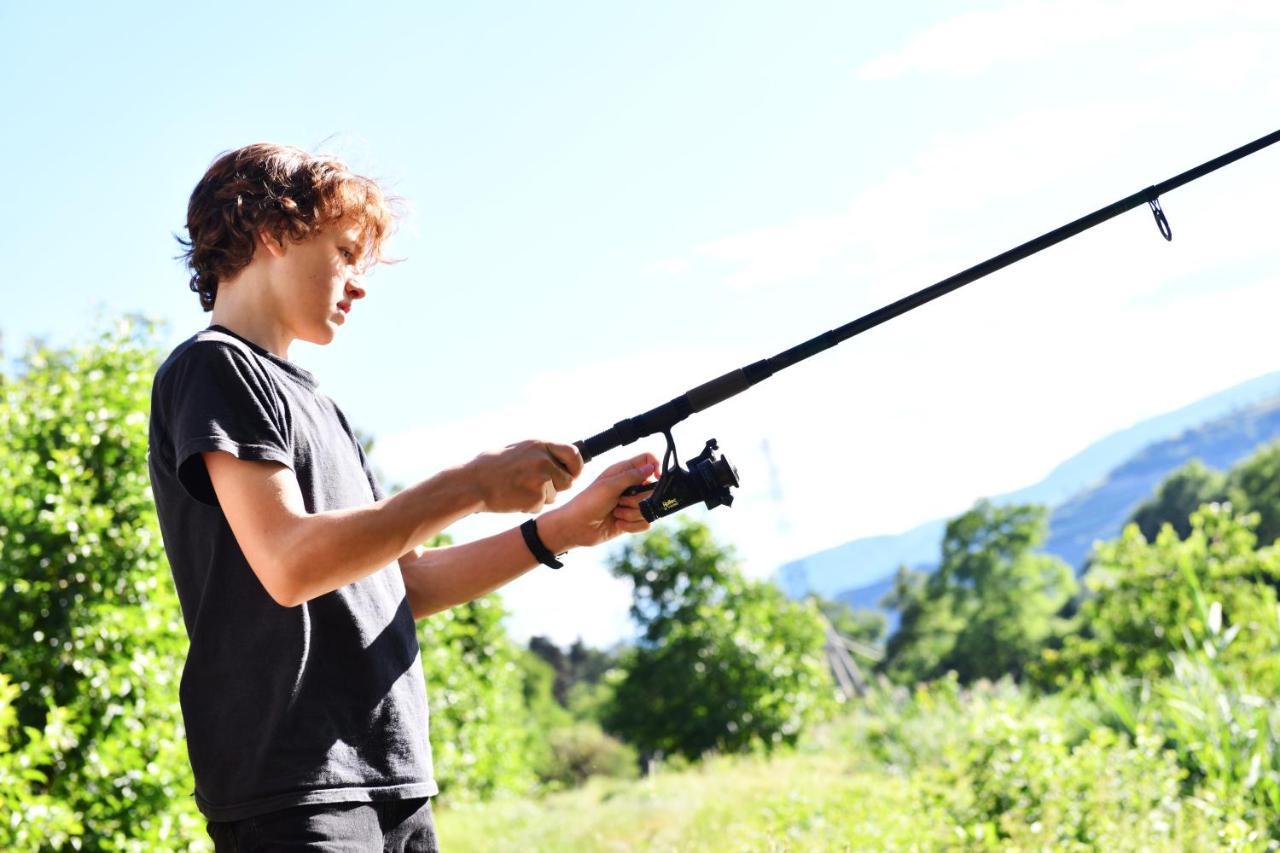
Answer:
(1179, 495)
(590, 701)
(865, 626)
(1010, 770)
(1148, 601)
(582, 750)
(90, 630)
(538, 680)
(1226, 735)
(990, 606)
(580, 664)
(585, 678)
(1253, 485)
(483, 735)
(31, 819)
(724, 663)
(935, 768)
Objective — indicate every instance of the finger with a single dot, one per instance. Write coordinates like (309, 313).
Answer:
(549, 493)
(567, 457)
(626, 514)
(638, 461)
(633, 526)
(559, 478)
(633, 472)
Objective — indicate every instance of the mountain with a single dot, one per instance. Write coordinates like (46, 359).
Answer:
(1091, 493)
(1100, 512)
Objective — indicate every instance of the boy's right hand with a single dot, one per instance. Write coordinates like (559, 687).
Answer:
(525, 476)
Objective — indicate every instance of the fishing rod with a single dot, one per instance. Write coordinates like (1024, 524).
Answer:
(710, 478)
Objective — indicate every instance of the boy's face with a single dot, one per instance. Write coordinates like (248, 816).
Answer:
(315, 281)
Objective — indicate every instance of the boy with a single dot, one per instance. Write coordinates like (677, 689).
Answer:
(299, 579)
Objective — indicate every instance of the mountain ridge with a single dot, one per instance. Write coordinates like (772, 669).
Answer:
(1076, 490)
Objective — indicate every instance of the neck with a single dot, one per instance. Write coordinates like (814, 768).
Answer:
(245, 309)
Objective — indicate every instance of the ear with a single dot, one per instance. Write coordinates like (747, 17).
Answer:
(270, 243)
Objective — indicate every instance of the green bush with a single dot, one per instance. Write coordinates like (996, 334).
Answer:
(1150, 601)
(90, 629)
(483, 736)
(1226, 737)
(583, 750)
(590, 701)
(31, 819)
(1010, 770)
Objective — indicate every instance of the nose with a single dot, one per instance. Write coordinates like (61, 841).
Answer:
(354, 290)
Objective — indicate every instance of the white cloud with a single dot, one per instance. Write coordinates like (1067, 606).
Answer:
(1022, 32)
(895, 233)
(1219, 60)
(670, 266)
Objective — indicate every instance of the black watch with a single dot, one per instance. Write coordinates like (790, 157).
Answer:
(530, 532)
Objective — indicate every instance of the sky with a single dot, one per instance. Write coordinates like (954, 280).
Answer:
(609, 204)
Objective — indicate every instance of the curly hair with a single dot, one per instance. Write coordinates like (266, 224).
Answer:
(283, 191)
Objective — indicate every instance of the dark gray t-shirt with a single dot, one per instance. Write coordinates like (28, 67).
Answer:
(323, 702)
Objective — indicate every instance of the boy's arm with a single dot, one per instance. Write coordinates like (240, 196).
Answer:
(299, 555)
(436, 579)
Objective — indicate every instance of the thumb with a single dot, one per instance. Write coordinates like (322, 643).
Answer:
(635, 469)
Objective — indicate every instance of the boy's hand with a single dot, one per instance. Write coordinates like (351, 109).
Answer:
(525, 476)
(600, 512)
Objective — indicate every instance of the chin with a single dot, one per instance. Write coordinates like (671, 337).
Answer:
(323, 335)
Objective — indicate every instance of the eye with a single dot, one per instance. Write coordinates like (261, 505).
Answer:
(347, 254)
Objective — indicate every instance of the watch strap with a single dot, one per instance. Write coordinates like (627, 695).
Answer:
(530, 532)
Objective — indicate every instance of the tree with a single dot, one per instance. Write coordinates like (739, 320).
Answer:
(90, 629)
(723, 663)
(1253, 485)
(1148, 600)
(990, 606)
(866, 626)
(1179, 495)
(580, 665)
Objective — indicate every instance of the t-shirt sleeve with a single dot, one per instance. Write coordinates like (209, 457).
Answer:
(216, 398)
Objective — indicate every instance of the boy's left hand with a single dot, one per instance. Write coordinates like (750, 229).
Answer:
(601, 512)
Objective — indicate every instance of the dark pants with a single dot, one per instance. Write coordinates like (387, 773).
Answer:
(404, 826)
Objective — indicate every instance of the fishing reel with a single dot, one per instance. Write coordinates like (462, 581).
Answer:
(708, 479)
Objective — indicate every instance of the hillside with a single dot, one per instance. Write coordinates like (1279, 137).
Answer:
(1100, 512)
(1091, 493)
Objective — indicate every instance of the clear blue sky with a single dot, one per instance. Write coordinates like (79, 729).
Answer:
(613, 203)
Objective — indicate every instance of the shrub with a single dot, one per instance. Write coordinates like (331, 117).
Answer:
(584, 750)
(1011, 770)
(31, 819)
(1152, 600)
(482, 733)
(90, 630)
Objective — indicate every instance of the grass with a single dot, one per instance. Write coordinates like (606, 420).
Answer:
(989, 771)
(792, 802)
